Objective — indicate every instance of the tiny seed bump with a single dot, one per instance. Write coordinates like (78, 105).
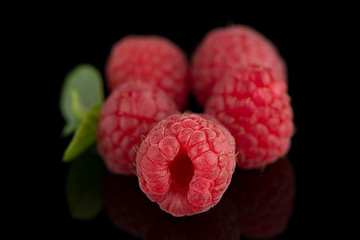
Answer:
(163, 131)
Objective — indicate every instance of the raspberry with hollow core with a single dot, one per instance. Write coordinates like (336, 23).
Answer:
(186, 162)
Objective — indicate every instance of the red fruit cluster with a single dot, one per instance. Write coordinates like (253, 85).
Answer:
(241, 79)
(185, 162)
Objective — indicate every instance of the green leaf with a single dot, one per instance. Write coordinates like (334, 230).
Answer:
(84, 137)
(69, 128)
(82, 90)
(83, 186)
(77, 108)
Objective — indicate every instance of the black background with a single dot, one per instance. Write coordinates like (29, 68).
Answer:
(60, 42)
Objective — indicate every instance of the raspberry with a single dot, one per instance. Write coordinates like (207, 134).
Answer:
(264, 199)
(186, 163)
(129, 112)
(151, 59)
(255, 107)
(224, 48)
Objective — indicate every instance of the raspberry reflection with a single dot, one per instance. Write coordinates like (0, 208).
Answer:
(258, 205)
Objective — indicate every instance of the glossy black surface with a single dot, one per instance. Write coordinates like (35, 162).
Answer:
(258, 204)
